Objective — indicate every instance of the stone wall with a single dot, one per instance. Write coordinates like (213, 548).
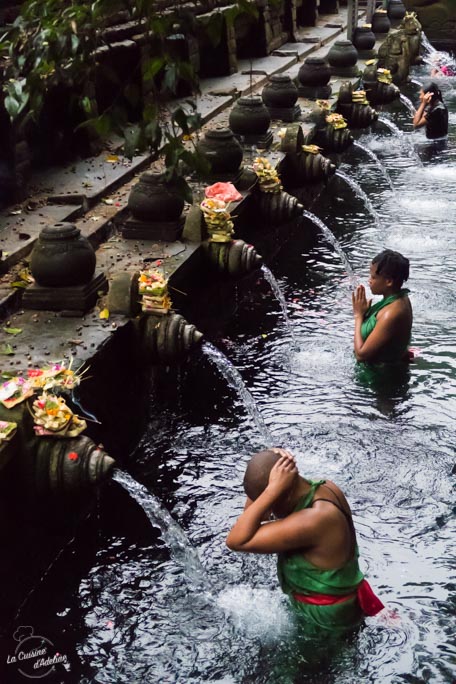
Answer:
(438, 19)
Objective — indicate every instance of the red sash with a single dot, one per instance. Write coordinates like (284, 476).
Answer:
(369, 602)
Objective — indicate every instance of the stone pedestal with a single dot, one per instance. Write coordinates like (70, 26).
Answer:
(287, 114)
(166, 231)
(76, 299)
(260, 140)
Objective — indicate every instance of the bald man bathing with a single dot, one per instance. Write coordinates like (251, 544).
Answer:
(314, 535)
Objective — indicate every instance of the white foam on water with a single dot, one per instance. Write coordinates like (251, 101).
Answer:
(424, 206)
(258, 612)
(415, 243)
(440, 172)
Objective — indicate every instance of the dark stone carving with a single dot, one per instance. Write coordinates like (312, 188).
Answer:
(169, 338)
(223, 151)
(249, 120)
(61, 257)
(280, 95)
(156, 208)
(313, 79)
(235, 258)
(380, 21)
(342, 58)
(54, 472)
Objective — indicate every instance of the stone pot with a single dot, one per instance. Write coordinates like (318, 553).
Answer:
(380, 22)
(314, 72)
(151, 199)
(342, 54)
(396, 10)
(280, 92)
(62, 257)
(364, 38)
(222, 150)
(249, 116)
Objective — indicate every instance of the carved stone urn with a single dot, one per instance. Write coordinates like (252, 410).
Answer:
(280, 95)
(396, 11)
(151, 199)
(63, 264)
(249, 120)
(62, 257)
(380, 22)
(364, 41)
(313, 79)
(342, 58)
(223, 152)
(156, 208)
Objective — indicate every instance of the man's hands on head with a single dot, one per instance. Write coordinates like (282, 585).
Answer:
(283, 473)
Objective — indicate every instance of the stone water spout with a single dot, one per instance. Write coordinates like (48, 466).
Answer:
(235, 258)
(167, 339)
(306, 167)
(278, 208)
(68, 466)
(354, 107)
(335, 135)
(378, 85)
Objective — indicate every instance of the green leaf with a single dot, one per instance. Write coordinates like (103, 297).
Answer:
(6, 350)
(170, 80)
(12, 106)
(13, 331)
(152, 67)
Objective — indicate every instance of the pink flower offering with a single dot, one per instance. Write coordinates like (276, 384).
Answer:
(223, 191)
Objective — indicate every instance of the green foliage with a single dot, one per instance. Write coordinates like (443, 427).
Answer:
(55, 43)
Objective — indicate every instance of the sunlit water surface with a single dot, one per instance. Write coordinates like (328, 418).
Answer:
(133, 618)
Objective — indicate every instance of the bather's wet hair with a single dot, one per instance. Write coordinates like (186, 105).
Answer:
(256, 476)
(392, 265)
(435, 90)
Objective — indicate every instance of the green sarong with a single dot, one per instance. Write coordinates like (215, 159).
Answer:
(395, 350)
(298, 576)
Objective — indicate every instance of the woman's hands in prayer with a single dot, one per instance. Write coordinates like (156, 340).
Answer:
(359, 301)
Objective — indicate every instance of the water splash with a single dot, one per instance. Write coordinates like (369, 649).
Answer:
(408, 103)
(277, 290)
(401, 135)
(331, 238)
(426, 44)
(173, 535)
(235, 381)
(377, 162)
(359, 192)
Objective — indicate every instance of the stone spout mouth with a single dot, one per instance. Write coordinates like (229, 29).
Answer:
(69, 466)
(106, 470)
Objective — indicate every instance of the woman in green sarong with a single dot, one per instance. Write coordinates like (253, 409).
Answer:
(382, 330)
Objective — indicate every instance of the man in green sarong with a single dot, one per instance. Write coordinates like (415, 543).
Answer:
(314, 535)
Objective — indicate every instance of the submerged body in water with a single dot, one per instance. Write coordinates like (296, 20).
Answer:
(315, 538)
(432, 113)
